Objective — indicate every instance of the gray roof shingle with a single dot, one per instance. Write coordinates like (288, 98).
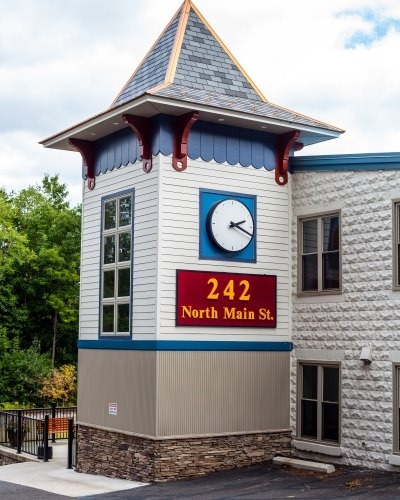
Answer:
(207, 53)
(190, 63)
(237, 103)
(203, 63)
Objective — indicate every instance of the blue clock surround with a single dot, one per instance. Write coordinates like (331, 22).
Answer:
(207, 250)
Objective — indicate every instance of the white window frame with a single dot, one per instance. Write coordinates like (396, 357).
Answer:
(320, 252)
(321, 365)
(116, 266)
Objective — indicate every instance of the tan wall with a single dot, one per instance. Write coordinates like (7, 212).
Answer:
(197, 393)
(127, 378)
(218, 392)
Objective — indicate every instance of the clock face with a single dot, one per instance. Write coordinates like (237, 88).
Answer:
(230, 225)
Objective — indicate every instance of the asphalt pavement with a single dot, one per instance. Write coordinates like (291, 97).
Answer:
(52, 481)
(267, 481)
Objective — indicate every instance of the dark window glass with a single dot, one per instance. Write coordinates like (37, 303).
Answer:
(123, 318)
(398, 243)
(399, 427)
(309, 419)
(330, 228)
(109, 249)
(331, 384)
(116, 268)
(330, 273)
(330, 422)
(320, 417)
(310, 236)
(124, 282)
(310, 272)
(124, 247)
(125, 211)
(110, 214)
(398, 222)
(108, 284)
(398, 265)
(320, 254)
(310, 381)
(108, 318)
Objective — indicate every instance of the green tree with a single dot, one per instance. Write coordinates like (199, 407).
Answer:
(22, 371)
(39, 271)
(14, 252)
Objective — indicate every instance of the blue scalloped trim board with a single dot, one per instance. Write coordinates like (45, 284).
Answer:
(207, 141)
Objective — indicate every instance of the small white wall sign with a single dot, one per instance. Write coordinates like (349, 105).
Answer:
(112, 408)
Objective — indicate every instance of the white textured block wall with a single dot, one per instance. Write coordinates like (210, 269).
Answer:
(336, 327)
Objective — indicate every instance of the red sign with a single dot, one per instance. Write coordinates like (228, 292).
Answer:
(225, 299)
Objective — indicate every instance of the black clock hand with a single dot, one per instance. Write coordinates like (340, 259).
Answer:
(237, 225)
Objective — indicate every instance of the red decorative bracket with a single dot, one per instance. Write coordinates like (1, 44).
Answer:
(141, 126)
(182, 126)
(285, 143)
(87, 149)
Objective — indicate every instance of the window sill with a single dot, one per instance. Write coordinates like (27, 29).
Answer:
(319, 293)
(394, 459)
(318, 298)
(324, 449)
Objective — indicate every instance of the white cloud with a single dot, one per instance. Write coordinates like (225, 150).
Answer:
(23, 163)
(62, 62)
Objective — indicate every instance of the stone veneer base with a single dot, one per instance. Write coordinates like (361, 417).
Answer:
(8, 457)
(125, 456)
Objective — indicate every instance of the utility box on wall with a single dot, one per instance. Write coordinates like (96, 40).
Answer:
(184, 343)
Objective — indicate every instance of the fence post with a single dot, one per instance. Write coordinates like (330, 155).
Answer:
(70, 441)
(53, 415)
(46, 439)
(19, 431)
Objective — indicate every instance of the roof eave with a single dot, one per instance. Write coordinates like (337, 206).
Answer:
(148, 105)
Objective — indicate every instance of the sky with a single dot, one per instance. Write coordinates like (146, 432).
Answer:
(62, 61)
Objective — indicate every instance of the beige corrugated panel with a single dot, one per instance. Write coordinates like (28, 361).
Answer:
(217, 392)
(127, 378)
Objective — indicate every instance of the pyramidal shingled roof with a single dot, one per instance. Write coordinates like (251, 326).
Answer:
(189, 53)
(189, 68)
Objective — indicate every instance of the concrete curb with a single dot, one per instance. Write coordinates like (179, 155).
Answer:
(304, 464)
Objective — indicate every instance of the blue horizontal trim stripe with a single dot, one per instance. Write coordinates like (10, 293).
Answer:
(183, 345)
(366, 161)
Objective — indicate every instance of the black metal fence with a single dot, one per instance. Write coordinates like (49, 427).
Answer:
(28, 431)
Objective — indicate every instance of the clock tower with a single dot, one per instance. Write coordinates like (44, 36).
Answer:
(184, 342)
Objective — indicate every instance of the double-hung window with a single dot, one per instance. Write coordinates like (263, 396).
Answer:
(396, 245)
(396, 408)
(116, 269)
(318, 409)
(319, 254)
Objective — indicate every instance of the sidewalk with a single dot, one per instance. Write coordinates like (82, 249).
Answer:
(54, 477)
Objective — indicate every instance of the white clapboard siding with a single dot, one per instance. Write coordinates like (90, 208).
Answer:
(166, 238)
(179, 223)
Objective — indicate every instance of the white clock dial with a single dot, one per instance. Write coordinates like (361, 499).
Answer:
(230, 225)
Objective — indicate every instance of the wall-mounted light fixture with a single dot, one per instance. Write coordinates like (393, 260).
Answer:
(366, 355)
